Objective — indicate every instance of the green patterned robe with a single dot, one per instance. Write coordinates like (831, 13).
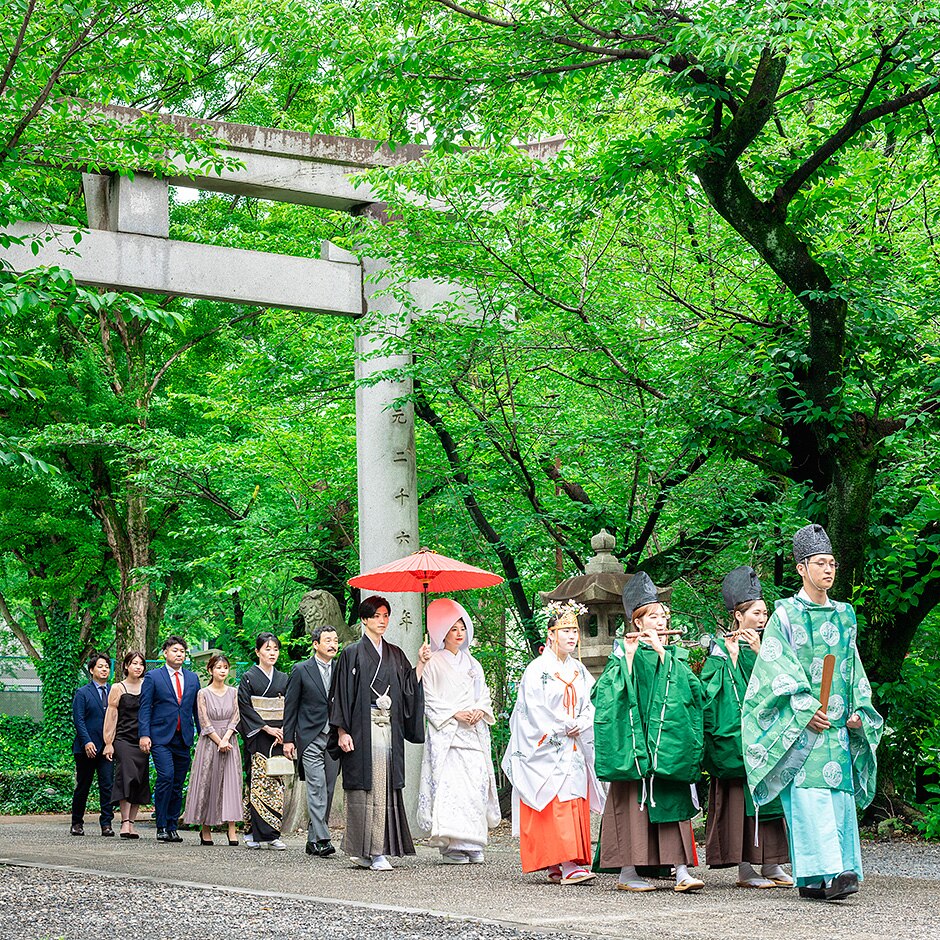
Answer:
(782, 696)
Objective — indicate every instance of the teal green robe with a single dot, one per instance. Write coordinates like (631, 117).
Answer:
(724, 684)
(782, 696)
(648, 727)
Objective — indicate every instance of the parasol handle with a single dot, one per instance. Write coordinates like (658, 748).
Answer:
(825, 687)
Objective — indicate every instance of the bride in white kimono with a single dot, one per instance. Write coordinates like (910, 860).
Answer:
(457, 801)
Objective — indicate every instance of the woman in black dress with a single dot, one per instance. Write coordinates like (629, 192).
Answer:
(261, 707)
(122, 740)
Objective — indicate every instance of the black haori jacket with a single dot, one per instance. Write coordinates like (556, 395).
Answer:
(358, 680)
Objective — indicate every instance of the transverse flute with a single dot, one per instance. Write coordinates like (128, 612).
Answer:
(633, 636)
(739, 633)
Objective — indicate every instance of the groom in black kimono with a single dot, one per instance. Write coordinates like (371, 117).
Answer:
(378, 703)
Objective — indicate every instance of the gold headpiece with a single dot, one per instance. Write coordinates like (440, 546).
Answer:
(566, 614)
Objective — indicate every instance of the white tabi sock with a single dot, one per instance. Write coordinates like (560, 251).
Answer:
(629, 874)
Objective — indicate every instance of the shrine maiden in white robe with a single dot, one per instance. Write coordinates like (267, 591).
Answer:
(457, 799)
(542, 762)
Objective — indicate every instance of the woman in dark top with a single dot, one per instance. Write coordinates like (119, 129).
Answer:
(261, 707)
(122, 740)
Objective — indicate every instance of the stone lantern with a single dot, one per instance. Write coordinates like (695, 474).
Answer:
(600, 589)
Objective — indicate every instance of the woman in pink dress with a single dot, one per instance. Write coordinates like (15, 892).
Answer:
(215, 783)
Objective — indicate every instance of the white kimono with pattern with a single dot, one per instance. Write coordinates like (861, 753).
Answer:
(457, 799)
(542, 761)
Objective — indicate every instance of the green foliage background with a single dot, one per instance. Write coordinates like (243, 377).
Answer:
(634, 360)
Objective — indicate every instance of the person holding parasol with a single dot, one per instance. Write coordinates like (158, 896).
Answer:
(378, 704)
(809, 728)
(550, 756)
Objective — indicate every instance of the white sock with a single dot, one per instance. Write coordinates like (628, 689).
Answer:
(568, 867)
(773, 871)
(682, 873)
(630, 876)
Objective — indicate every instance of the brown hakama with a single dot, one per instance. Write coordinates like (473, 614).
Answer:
(629, 838)
(729, 831)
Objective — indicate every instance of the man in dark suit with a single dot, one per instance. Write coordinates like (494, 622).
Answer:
(167, 722)
(306, 730)
(88, 708)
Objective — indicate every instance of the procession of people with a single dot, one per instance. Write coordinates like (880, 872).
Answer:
(779, 716)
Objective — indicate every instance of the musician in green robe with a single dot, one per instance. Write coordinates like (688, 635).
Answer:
(648, 743)
(816, 760)
(732, 836)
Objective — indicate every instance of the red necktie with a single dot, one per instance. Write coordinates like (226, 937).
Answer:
(179, 698)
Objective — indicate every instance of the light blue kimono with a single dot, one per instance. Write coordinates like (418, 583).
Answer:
(820, 778)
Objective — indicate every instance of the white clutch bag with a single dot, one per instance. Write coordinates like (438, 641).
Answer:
(278, 765)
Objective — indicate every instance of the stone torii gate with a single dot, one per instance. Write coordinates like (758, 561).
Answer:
(127, 248)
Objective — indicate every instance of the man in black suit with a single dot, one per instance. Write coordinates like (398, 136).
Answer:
(306, 730)
(167, 722)
(88, 708)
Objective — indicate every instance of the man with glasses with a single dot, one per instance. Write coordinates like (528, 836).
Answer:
(815, 759)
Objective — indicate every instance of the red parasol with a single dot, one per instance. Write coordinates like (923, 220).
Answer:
(424, 571)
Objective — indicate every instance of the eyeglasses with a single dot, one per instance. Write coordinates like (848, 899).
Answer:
(824, 565)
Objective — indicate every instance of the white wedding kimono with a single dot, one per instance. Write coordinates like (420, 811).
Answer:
(457, 800)
(542, 761)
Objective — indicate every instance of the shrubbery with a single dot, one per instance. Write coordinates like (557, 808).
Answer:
(36, 774)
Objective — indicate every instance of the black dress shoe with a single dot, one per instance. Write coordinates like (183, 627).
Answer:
(164, 836)
(203, 841)
(842, 886)
(77, 831)
(107, 831)
(174, 835)
(325, 849)
(817, 894)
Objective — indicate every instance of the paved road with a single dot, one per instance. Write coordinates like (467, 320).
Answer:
(59, 886)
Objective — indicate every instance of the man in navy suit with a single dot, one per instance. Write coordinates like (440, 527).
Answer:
(167, 721)
(88, 708)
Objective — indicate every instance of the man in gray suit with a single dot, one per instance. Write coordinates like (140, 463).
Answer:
(306, 730)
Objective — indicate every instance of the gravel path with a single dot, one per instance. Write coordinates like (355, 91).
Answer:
(54, 886)
(96, 909)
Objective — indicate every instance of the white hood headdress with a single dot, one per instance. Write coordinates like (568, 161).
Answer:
(443, 613)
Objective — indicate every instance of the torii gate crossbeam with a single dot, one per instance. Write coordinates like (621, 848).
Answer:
(127, 247)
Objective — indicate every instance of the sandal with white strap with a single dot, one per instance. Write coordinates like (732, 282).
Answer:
(689, 884)
(758, 881)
